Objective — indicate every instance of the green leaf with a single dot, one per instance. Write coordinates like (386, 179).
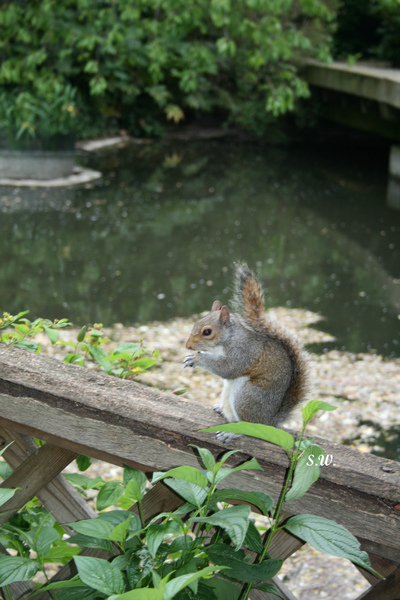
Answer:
(19, 315)
(240, 570)
(306, 472)
(189, 491)
(234, 520)
(206, 457)
(312, 407)
(144, 363)
(142, 594)
(100, 356)
(5, 469)
(99, 574)
(109, 495)
(190, 474)
(73, 358)
(328, 537)
(253, 539)
(130, 348)
(6, 494)
(223, 590)
(260, 500)
(82, 481)
(81, 335)
(23, 329)
(17, 568)
(204, 592)
(53, 334)
(120, 532)
(135, 483)
(97, 528)
(86, 541)
(44, 540)
(96, 333)
(115, 516)
(83, 462)
(61, 553)
(156, 533)
(174, 586)
(5, 448)
(263, 432)
(131, 473)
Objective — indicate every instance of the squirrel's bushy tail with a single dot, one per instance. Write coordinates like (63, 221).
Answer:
(249, 297)
(299, 386)
(249, 303)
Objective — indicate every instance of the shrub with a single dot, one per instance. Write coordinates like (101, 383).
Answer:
(136, 64)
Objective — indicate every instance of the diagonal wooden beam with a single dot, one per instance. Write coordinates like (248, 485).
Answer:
(60, 498)
(32, 475)
(388, 589)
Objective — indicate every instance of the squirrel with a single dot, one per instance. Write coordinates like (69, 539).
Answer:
(264, 366)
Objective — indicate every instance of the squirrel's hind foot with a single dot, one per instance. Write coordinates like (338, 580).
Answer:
(225, 437)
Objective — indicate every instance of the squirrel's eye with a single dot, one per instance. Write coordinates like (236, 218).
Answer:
(207, 332)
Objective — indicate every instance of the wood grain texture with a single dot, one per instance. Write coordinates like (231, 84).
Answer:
(127, 423)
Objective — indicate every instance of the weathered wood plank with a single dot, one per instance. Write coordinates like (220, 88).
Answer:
(32, 475)
(124, 422)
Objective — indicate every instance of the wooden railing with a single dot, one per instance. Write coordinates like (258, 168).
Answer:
(77, 411)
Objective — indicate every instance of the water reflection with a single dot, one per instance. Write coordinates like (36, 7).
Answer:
(156, 236)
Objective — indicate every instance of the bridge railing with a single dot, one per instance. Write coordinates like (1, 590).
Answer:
(78, 411)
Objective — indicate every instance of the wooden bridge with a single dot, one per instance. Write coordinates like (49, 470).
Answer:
(76, 411)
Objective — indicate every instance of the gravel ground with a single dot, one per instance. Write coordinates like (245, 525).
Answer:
(363, 386)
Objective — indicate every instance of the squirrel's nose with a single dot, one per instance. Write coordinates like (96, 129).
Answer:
(188, 346)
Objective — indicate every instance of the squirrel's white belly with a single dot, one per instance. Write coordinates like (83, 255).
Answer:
(231, 390)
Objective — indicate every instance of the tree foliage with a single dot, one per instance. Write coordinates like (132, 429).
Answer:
(136, 64)
(368, 29)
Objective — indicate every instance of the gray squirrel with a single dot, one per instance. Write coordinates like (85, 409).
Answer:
(263, 366)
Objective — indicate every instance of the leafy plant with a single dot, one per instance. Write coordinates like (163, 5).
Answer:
(45, 112)
(139, 65)
(198, 551)
(126, 361)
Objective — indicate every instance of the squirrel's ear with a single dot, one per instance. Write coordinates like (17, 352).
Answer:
(216, 305)
(224, 316)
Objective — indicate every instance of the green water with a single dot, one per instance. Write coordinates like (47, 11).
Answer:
(156, 237)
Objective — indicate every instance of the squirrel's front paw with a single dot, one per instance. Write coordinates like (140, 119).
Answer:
(189, 361)
(219, 408)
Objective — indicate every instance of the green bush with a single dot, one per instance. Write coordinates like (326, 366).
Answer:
(137, 64)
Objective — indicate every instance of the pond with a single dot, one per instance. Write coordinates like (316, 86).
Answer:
(156, 237)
